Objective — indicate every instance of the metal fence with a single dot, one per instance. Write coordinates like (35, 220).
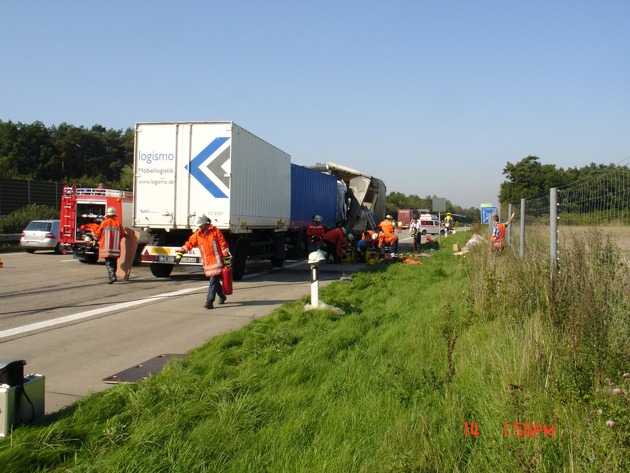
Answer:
(15, 194)
(597, 211)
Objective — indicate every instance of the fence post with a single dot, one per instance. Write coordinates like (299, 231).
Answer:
(522, 253)
(509, 227)
(553, 228)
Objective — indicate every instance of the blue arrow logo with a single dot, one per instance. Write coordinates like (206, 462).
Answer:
(214, 167)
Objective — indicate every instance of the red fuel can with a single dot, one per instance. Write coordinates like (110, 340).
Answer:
(227, 280)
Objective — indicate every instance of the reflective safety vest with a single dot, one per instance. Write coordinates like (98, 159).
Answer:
(387, 226)
(498, 235)
(109, 234)
(315, 231)
(212, 246)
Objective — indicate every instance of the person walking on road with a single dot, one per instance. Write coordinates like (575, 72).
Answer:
(497, 240)
(215, 253)
(109, 235)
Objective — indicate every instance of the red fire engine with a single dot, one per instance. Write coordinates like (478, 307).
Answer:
(82, 210)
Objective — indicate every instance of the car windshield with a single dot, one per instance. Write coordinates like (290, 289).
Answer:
(39, 226)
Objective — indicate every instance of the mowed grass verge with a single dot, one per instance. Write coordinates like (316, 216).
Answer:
(421, 351)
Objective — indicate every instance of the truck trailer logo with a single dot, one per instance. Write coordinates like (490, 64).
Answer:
(212, 165)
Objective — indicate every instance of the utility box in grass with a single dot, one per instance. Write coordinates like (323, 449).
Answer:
(22, 403)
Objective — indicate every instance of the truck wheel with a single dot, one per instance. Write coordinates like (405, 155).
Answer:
(299, 247)
(240, 258)
(161, 270)
(424, 232)
(296, 247)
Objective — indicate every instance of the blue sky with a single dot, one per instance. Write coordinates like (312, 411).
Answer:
(433, 97)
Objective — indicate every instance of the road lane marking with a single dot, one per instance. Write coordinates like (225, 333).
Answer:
(104, 310)
(91, 313)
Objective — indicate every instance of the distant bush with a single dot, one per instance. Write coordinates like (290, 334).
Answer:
(16, 221)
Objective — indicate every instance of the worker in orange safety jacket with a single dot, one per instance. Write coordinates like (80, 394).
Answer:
(497, 240)
(109, 235)
(215, 253)
(334, 240)
(387, 225)
(315, 234)
(388, 240)
(88, 230)
(365, 243)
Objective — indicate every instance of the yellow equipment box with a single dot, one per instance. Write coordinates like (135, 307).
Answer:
(371, 256)
(350, 256)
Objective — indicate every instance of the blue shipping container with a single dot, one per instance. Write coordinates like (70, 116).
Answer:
(312, 193)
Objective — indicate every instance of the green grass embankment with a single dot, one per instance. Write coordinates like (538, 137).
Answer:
(421, 350)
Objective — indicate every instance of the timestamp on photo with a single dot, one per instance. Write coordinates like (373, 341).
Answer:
(515, 429)
(527, 430)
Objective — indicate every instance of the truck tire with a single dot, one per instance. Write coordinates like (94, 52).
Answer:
(298, 246)
(161, 270)
(240, 258)
(279, 251)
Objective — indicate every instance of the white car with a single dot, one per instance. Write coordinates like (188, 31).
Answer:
(41, 235)
(431, 227)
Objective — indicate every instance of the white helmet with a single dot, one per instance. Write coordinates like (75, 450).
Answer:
(202, 219)
(389, 217)
(374, 236)
(350, 237)
(317, 218)
(111, 212)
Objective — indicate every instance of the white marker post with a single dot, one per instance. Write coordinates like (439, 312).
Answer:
(314, 260)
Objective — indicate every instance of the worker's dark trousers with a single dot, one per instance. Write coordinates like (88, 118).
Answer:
(215, 288)
(331, 249)
(112, 265)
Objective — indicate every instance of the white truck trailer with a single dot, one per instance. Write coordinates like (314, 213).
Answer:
(185, 169)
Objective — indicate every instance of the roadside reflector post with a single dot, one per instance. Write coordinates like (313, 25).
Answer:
(314, 260)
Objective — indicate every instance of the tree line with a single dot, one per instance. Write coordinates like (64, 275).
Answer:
(529, 179)
(71, 154)
(66, 153)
